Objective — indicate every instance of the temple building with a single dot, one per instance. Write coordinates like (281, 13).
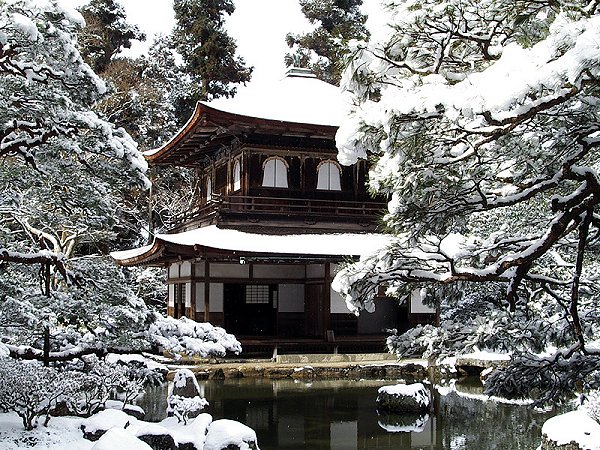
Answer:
(274, 217)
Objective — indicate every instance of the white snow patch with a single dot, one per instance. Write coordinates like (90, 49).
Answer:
(107, 419)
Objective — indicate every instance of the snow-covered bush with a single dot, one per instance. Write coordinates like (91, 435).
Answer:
(591, 405)
(101, 381)
(31, 390)
(184, 407)
(191, 337)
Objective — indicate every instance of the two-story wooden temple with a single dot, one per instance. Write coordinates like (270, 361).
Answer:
(275, 216)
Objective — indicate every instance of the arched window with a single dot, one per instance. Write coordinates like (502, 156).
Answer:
(328, 176)
(275, 173)
(237, 176)
(208, 189)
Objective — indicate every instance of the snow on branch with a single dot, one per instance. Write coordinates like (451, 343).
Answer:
(42, 257)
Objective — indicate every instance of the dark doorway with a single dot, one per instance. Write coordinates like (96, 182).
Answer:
(250, 309)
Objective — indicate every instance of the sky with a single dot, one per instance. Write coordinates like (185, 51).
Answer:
(258, 26)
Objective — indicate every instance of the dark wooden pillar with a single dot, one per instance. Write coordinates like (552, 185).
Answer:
(206, 291)
(327, 299)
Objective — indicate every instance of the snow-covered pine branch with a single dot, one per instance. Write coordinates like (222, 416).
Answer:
(49, 92)
(482, 118)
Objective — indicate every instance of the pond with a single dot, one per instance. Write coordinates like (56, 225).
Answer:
(341, 415)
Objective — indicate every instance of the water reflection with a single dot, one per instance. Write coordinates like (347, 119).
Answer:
(332, 415)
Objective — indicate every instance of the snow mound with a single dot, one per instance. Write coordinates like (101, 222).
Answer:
(417, 391)
(574, 426)
(224, 432)
(105, 420)
(119, 439)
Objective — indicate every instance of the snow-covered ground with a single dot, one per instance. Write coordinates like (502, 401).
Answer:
(65, 432)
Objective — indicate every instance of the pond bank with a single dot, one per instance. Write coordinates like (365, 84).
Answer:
(365, 366)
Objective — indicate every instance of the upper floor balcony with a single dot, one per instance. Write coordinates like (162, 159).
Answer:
(286, 214)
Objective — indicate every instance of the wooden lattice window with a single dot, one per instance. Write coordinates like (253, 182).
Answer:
(257, 294)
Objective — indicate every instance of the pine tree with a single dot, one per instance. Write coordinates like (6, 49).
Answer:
(482, 120)
(208, 52)
(63, 173)
(106, 33)
(324, 49)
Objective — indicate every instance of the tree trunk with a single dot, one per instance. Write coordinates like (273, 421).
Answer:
(46, 357)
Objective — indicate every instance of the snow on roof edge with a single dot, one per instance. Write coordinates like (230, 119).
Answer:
(325, 244)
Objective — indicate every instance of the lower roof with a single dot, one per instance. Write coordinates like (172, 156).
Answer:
(241, 243)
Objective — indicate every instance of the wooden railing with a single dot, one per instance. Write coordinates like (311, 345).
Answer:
(277, 206)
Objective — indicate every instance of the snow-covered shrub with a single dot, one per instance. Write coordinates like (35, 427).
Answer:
(31, 390)
(101, 381)
(184, 407)
(190, 337)
(591, 405)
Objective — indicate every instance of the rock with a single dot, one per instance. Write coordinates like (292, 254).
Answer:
(95, 426)
(119, 439)
(132, 410)
(185, 384)
(157, 437)
(404, 398)
(574, 430)
(227, 434)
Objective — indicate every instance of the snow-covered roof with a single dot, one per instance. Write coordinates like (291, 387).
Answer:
(339, 244)
(297, 105)
(298, 97)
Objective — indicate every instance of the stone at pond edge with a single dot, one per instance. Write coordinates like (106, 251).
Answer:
(157, 437)
(404, 398)
(185, 384)
(225, 434)
(119, 439)
(574, 430)
(95, 426)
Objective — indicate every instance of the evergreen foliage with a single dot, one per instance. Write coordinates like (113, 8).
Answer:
(65, 176)
(208, 52)
(106, 33)
(482, 119)
(323, 49)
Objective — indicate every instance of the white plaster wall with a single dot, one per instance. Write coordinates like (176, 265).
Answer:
(186, 269)
(291, 298)
(338, 304)
(290, 272)
(216, 297)
(171, 295)
(174, 270)
(416, 303)
(188, 295)
(199, 268)
(229, 271)
(315, 271)
(199, 297)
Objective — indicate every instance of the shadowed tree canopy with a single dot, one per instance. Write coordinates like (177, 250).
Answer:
(323, 49)
(208, 52)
